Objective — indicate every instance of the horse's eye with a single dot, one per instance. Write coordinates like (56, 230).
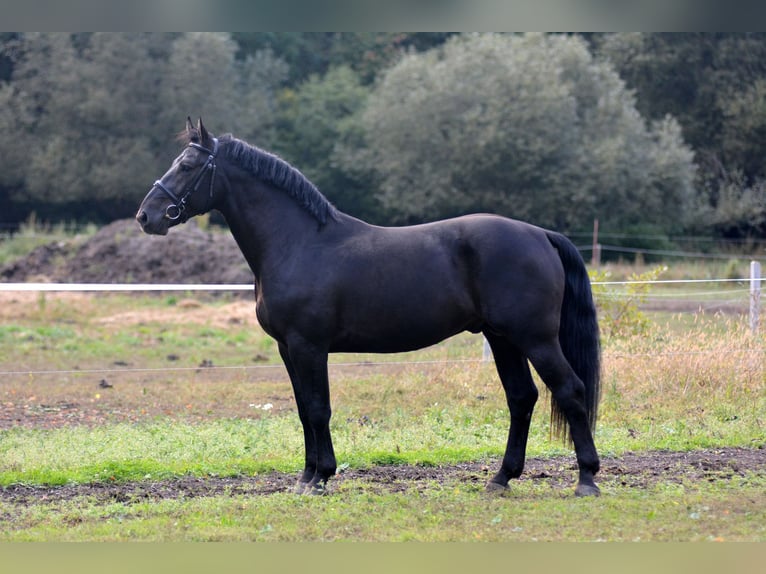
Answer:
(185, 167)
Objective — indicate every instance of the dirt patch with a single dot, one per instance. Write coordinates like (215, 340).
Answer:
(189, 311)
(121, 253)
(629, 471)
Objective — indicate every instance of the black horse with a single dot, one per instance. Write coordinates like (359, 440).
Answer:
(326, 282)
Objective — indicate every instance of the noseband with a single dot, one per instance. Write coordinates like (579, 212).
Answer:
(175, 210)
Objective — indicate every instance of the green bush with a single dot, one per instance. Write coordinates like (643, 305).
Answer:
(619, 309)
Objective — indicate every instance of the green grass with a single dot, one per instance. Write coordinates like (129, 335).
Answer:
(442, 435)
(689, 382)
(55, 334)
(231, 447)
(454, 511)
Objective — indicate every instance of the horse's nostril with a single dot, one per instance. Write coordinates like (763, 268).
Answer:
(142, 218)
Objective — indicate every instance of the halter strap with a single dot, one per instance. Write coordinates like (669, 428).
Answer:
(212, 153)
(175, 210)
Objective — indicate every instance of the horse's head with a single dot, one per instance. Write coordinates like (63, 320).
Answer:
(187, 188)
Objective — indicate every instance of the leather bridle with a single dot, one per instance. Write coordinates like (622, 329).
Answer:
(175, 210)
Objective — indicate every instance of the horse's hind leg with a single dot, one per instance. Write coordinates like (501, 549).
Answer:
(521, 394)
(569, 393)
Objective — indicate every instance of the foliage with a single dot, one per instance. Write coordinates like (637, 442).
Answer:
(529, 126)
(92, 116)
(554, 128)
(315, 119)
(619, 312)
(732, 207)
(714, 84)
(315, 53)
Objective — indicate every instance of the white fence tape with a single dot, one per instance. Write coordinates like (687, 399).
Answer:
(81, 287)
(105, 287)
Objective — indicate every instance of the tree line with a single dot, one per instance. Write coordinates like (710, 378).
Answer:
(653, 133)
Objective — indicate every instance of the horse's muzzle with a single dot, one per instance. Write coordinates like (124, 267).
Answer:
(152, 227)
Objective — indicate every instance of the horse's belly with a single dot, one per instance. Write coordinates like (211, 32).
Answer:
(394, 332)
(394, 343)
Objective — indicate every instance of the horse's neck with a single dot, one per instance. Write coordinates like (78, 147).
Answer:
(267, 224)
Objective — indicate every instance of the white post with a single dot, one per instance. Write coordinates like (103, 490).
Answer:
(755, 295)
(596, 255)
(486, 355)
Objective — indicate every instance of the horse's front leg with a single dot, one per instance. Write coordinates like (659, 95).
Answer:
(310, 467)
(307, 367)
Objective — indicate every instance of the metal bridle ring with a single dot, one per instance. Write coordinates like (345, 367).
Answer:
(173, 212)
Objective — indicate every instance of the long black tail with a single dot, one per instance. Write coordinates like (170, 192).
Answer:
(578, 333)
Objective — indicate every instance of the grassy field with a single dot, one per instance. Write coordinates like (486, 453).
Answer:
(116, 389)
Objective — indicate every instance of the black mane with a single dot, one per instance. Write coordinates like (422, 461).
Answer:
(276, 171)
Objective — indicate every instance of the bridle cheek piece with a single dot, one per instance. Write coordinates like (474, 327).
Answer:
(176, 209)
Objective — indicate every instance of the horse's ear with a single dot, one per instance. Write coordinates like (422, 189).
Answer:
(202, 132)
(191, 134)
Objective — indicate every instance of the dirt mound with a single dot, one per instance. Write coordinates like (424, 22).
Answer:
(121, 253)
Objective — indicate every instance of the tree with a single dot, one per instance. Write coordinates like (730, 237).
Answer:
(317, 119)
(315, 53)
(715, 85)
(204, 77)
(696, 77)
(530, 126)
(743, 134)
(93, 116)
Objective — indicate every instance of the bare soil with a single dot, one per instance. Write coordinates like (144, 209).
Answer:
(629, 471)
(121, 253)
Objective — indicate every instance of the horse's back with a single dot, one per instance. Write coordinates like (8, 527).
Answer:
(482, 231)
(412, 286)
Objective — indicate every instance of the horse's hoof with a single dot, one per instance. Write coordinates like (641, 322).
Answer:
(310, 489)
(316, 489)
(587, 490)
(495, 488)
(300, 487)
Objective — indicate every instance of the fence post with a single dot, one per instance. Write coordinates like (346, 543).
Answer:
(755, 295)
(486, 354)
(596, 255)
